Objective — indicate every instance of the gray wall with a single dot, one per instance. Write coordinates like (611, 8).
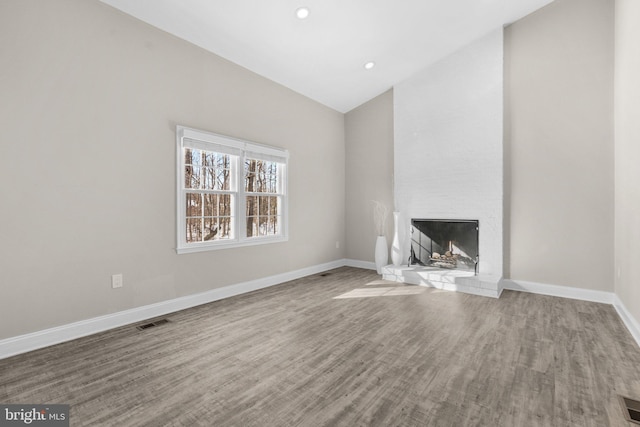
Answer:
(559, 83)
(369, 168)
(90, 100)
(627, 154)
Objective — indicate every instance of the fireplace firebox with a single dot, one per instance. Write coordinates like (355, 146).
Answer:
(446, 243)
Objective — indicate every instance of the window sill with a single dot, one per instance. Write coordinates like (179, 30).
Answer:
(204, 247)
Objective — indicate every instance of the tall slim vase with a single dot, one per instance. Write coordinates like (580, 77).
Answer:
(381, 254)
(396, 248)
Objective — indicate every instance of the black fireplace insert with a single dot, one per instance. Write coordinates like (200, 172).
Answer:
(445, 243)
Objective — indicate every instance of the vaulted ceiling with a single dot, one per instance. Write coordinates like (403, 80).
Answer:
(323, 55)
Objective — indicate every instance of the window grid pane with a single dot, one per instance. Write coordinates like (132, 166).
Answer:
(263, 215)
(261, 176)
(207, 170)
(208, 217)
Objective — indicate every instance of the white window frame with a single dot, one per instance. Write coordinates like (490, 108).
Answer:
(188, 137)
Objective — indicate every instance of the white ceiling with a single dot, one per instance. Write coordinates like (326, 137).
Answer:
(322, 56)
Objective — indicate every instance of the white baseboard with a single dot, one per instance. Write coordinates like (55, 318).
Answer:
(559, 291)
(629, 321)
(33, 341)
(360, 264)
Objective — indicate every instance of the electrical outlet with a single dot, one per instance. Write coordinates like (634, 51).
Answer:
(116, 281)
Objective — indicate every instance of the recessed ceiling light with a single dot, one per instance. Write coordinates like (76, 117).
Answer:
(369, 65)
(302, 12)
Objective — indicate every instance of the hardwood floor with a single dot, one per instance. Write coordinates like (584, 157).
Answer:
(382, 354)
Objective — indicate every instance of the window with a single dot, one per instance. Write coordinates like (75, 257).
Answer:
(230, 192)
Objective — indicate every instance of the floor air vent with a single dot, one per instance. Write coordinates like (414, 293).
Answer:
(152, 324)
(631, 409)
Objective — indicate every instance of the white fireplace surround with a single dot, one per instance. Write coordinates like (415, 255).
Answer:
(448, 159)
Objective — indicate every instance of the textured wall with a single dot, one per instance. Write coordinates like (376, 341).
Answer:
(90, 100)
(448, 144)
(559, 85)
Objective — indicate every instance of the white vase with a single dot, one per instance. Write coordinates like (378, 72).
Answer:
(381, 254)
(396, 248)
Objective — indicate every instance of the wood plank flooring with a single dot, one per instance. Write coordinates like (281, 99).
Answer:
(345, 349)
